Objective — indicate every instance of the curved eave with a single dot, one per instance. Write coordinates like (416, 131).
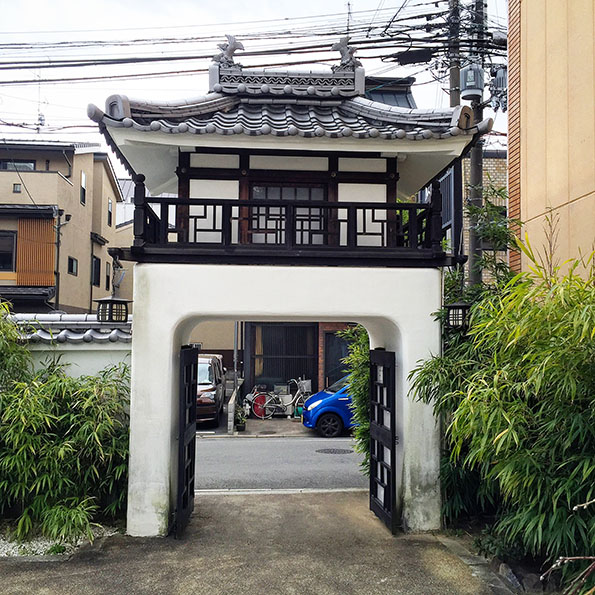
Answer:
(153, 150)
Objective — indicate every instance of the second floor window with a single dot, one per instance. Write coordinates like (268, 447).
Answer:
(16, 188)
(8, 245)
(83, 188)
(108, 274)
(73, 266)
(109, 211)
(96, 271)
(17, 164)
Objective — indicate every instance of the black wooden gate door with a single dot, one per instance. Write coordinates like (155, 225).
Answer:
(186, 437)
(383, 437)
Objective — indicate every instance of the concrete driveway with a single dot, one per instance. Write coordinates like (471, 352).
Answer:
(256, 544)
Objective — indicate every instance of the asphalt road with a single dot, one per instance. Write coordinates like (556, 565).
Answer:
(277, 463)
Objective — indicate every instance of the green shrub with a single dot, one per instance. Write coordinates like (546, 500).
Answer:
(15, 360)
(519, 400)
(63, 450)
(358, 367)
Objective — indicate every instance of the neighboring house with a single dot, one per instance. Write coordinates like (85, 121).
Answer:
(293, 203)
(57, 217)
(551, 123)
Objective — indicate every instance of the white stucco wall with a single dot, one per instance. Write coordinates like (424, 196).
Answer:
(82, 358)
(395, 305)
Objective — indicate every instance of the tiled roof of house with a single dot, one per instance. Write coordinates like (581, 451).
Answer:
(21, 292)
(71, 328)
(287, 103)
(356, 117)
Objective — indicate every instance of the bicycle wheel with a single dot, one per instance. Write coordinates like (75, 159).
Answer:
(271, 406)
(258, 406)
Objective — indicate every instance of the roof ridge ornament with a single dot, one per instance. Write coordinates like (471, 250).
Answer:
(225, 58)
(348, 59)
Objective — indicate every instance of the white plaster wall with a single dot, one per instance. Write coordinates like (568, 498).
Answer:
(365, 165)
(83, 359)
(295, 163)
(371, 220)
(395, 305)
(212, 160)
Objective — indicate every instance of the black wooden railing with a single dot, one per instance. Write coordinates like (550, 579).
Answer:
(206, 229)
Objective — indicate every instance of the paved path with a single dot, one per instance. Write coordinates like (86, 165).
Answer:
(294, 544)
(278, 463)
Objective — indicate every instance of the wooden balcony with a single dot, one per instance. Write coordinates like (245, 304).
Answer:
(275, 232)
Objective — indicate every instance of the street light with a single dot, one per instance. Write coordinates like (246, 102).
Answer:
(112, 309)
(457, 315)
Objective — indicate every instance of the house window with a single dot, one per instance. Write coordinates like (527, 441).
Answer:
(17, 164)
(8, 250)
(16, 188)
(109, 211)
(83, 188)
(73, 266)
(96, 271)
(268, 225)
(108, 274)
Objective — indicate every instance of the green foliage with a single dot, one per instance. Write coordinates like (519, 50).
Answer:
(492, 545)
(56, 548)
(519, 400)
(496, 233)
(63, 450)
(15, 360)
(358, 367)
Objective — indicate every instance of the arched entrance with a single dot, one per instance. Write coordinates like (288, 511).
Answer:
(395, 306)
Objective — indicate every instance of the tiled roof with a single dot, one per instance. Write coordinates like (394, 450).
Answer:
(11, 292)
(33, 211)
(71, 328)
(287, 103)
(356, 117)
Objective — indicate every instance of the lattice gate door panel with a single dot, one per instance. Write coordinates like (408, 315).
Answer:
(383, 437)
(186, 437)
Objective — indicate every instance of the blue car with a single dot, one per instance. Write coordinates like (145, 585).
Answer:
(329, 411)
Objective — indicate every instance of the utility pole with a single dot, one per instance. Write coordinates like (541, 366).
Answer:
(476, 166)
(454, 58)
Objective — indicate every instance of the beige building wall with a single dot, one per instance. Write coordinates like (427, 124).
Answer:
(57, 180)
(125, 238)
(556, 54)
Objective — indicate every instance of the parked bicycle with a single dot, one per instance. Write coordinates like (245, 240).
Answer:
(266, 404)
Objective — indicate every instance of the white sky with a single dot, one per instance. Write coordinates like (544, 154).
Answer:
(60, 20)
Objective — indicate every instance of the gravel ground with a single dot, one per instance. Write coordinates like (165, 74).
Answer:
(40, 546)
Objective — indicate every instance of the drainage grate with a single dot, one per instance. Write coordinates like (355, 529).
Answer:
(267, 432)
(334, 451)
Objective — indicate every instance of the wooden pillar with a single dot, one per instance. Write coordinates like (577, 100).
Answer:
(182, 211)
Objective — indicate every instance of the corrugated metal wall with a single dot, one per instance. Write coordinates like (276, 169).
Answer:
(35, 252)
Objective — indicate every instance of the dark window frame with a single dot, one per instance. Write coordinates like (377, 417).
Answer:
(110, 211)
(83, 189)
(17, 188)
(108, 274)
(73, 266)
(95, 271)
(13, 235)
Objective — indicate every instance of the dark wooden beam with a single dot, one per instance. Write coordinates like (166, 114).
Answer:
(289, 176)
(289, 153)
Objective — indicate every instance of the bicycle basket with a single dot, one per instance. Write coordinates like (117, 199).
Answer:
(305, 386)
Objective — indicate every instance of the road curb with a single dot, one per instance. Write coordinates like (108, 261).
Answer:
(261, 491)
(478, 564)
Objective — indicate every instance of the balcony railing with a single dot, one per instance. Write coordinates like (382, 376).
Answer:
(286, 232)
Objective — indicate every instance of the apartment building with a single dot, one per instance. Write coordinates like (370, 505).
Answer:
(57, 219)
(551, 132)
